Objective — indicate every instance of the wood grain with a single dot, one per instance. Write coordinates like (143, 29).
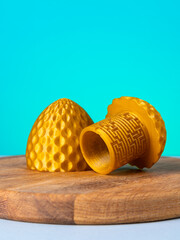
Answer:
(125, 196)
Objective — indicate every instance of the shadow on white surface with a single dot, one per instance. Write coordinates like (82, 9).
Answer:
(166, 230)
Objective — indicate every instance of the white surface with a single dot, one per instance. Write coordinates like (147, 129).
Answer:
(165, 230)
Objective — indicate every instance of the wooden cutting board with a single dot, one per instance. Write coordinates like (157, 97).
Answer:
(127, 195)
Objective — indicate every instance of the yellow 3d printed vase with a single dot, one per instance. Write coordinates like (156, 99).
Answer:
(133, 132)
(53, 143)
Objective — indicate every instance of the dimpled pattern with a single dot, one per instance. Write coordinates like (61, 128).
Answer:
(53, 143)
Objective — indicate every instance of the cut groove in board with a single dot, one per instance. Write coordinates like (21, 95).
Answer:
(127, 195)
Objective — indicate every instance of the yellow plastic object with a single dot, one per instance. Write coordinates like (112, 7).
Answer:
(133, 132)
(53, 143)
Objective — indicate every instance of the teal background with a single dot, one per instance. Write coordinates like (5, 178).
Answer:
(90, 52)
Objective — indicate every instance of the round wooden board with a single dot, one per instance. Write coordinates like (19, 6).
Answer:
(127, 195)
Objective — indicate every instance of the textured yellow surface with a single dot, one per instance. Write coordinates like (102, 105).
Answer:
(153, 121)
(53, 143)
(133, 132)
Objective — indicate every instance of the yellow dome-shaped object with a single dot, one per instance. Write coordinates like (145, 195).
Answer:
(133, 132)
(153, 122)
(53, 143)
